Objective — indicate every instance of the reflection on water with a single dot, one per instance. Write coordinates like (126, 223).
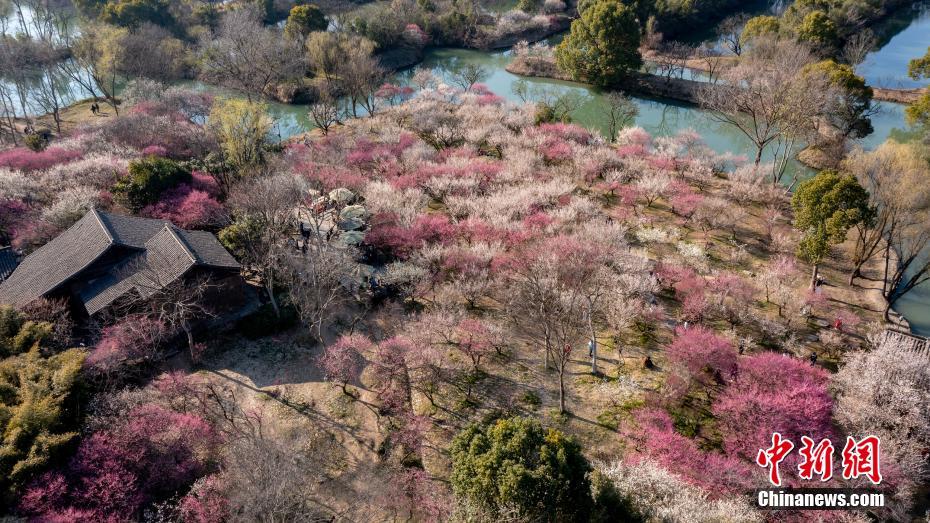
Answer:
(903, 36)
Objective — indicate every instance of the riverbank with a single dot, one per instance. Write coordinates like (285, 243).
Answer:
(714, 64)
(642, 84)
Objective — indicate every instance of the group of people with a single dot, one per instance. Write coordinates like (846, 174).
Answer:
(95, 108)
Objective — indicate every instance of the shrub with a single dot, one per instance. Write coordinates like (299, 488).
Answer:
(36, 142)
(188, 208)
(149, 455)
(147, 179)
(516, 463)
(18, 334)
(38, 411)
(700, 349)
(26, 160)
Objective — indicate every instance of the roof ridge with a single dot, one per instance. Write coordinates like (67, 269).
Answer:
(103, 225)
(177, 237)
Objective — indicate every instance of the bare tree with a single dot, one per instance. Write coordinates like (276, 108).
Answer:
(248, 57)
(858, 46)
(467, 75)
(7, 115)
(150, 51)
(670, 60)
(621, 112)
(320, 275)
(713, 65)
(176, 298)
(267, 482)
(360, 75)
(909, 240)
(898, 181)
(548, 311)
(767, 98)
(325, 112)
(562, 104)
(97, 59)
(264, 211)
(730, 32)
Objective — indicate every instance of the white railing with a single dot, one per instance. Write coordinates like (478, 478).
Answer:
(907, 340)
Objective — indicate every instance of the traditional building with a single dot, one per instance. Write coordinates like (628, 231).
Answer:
(106, 257)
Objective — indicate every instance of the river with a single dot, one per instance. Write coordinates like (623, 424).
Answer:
(903, 37)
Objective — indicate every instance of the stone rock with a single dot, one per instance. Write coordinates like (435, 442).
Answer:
(341, 195)
(352, 238)
(352, 217)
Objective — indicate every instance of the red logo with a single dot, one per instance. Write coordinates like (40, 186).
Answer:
(816, 460)
(774, 455)
(861, 459)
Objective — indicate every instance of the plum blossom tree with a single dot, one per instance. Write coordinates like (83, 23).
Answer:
(150, 455)
(779, 280)
(559, 291)
(700, 349)
(188, 208)
(341, 361)
(773, 393)
(661, 495)
(134, 338)
(886, 392)
(653, 185)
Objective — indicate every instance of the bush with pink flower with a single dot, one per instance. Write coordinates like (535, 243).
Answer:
(188, 208)
(148, 455)
(23, 159)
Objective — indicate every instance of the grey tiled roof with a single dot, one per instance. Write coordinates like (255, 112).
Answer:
(163, 254)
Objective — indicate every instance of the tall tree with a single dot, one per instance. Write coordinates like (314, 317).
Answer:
(303, 20)
(897, 178)
(603, 45)
(98, 55)
(850, 108)
(768, 99)
(730, 32)
(241, 128)
(516, 464)
(248, 57)
(826, 207)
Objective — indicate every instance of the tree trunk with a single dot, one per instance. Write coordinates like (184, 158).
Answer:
(269, 288)
(593, 355)
(885, 291)
(856, 272)
(593, 345)
(190, 338)
(814, 276)
(562, 389)
(887, 313)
